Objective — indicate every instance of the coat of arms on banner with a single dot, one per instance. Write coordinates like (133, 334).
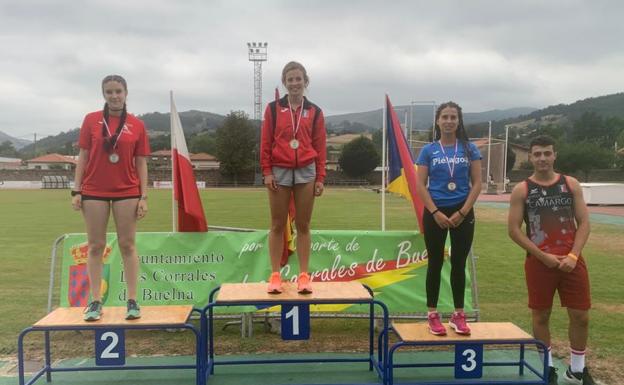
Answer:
(78, 294)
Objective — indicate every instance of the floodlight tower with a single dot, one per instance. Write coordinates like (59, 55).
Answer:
(257, 54)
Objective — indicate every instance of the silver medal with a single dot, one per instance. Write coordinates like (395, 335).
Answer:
(113, 158)
(451, 186)
(294, 144)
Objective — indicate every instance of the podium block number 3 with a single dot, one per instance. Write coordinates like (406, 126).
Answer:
(296, 322)
(468, 361)
(110, 347)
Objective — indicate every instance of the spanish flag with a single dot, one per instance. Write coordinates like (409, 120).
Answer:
(191, 217)
(401, 168)
(289, 233)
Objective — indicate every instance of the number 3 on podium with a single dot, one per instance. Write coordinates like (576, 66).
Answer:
(468, 360)
(296, 322)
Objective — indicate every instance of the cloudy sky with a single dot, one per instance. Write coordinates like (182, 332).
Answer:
(482, 54)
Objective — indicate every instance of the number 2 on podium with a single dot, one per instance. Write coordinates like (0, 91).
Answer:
(110, 347)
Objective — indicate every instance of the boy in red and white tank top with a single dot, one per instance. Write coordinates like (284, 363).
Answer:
(557, 228)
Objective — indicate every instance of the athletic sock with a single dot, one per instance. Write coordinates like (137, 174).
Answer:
(541, 355)
(577, 360)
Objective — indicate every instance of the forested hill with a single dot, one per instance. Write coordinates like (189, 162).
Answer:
(206, 122)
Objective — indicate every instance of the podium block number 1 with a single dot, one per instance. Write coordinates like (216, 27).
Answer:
(296, 322)
(110, 347)
(468, 361)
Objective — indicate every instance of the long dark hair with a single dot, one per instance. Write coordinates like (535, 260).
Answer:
(109, 142)
(461, 130)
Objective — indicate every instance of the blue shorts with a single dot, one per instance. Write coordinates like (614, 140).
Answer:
(291, 176)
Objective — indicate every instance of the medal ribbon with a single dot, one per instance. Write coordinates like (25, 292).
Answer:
(448, 163)
(121, 131)
(292, 120)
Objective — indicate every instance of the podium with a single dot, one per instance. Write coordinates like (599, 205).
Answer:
(295, 318)
(469, 358)
(110, 337)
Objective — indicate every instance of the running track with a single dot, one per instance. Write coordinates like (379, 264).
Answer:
(602, 214)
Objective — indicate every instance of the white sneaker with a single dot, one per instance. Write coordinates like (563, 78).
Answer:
(574, 378)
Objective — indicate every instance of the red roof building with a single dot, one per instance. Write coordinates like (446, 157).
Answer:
(51, 162)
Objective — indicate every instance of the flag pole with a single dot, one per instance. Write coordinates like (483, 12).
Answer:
(173, 205)
(506, 149)
(487, 176)
(384, 164)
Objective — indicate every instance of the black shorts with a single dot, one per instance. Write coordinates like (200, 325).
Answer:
(109, 199)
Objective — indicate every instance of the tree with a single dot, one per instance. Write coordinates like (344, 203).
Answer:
(619, 160)
(620, 139)
(203, 142)
(555, 131)
(378, 141)
(160, 142)
(620, 152)
(583, 156)
(67, 149)
(511, 159)
(7, 149)
(591, 127)
(359, 157)
(235, 144)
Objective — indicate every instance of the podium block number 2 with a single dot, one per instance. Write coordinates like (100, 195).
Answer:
(110, 347)
(468, 361)
(296, 322)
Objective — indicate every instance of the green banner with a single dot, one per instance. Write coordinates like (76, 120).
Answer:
(182, 268)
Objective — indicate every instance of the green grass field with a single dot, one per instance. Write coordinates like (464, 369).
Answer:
(32, 220)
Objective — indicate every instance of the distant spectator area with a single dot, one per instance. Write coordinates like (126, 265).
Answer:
(54, 181)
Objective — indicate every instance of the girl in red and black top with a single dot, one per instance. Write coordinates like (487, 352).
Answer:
(292, 157)
(111, 175)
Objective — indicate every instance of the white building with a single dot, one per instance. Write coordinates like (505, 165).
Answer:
(10, 163)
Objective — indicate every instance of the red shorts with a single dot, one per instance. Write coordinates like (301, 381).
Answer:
(542, 282)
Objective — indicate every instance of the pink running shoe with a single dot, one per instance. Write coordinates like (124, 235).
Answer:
(435, 325)
(458, 322)
(275, 283)
(304, 286)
